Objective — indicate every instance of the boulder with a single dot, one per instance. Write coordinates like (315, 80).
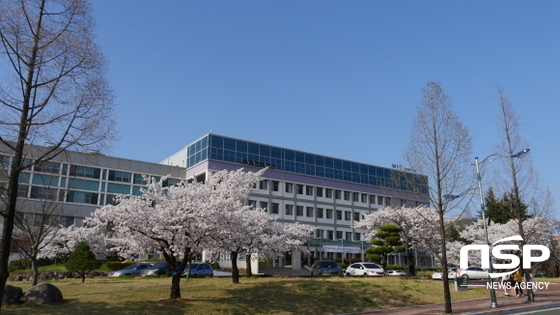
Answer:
(43, 293)
(11, 294)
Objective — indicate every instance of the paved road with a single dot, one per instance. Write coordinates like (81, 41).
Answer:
(551, 311)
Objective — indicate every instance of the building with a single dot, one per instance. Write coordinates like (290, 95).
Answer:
(329, 193)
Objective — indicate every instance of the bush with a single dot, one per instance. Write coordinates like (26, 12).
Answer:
(118, 265)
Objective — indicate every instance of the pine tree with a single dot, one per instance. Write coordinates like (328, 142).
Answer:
(387, 241)
(82, 260)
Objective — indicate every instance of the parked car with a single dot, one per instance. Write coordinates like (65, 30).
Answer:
(199, 270)
(159, 269)
(326, 268)
(364, 269)
(451, 273)
(396, 273)
(472, 272)
(130, 270)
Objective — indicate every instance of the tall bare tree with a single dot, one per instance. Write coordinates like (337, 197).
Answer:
(522, 183)
(440, 147)
(53, 92)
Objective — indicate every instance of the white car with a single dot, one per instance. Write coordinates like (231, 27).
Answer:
(364, 269)
(473, 272)
(395, 273)
(451, 273)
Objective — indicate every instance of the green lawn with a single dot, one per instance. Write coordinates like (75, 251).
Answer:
(258, 295)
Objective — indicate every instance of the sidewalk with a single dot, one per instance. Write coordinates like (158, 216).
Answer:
(547, 298)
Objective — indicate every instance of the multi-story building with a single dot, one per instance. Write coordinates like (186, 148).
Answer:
(329, 193)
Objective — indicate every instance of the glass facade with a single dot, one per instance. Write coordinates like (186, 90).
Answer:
(227, 149)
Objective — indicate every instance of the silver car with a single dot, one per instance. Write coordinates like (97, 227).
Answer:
(326, 268)
(199, 270)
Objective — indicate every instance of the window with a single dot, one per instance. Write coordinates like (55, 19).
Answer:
(289, 187)
(118, 176)
(40, 219)
(139, 179)
(299, 211)
(48, 167)
(328, 193)
(372, 199)
(330, 235)
(329, 213)
(320, 233)
(23, 190)
(289, 209)
(82, 171)
(355, 197)
(274, 208)
(364, 198)
(338, 214)
(66, 221)
(388, 201)
(264, 205)
(171, 182)
(320, 213)
(319, 191)
(83, 197)
(83, 184)
(309, 190)
(252, 204)
(309, 212)
(118, 189)
(263, 185)
(357, 216)
(348, 236)
(299, 189)
(357, 237)
(338, 235)
(337, 194)
(275, 185)
(379, 200)
(346, 195)
(347, 215)
(43, 193)
(45, 180)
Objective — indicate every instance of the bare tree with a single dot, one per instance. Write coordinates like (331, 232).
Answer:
(440, 147)
(52, 92)
(522, 183)
(33, 231)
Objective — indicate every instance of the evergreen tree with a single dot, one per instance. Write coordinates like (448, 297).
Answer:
(82, 260)
(387, 241)
(501, 210)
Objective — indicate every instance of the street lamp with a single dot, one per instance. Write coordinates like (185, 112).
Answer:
(493, 302)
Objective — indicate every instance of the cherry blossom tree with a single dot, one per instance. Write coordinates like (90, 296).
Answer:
(64, 240)
(172, 220)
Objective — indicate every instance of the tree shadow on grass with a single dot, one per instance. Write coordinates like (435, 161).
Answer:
(311, 296)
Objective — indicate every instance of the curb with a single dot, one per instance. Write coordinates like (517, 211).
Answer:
(520, 309)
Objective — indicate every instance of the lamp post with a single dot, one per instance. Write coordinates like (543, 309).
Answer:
(493, 302)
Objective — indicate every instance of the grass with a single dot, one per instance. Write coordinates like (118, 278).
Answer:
(257, 295)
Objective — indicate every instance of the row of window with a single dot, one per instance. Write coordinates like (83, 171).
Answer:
(86, 172)
(44, 219)
(338, 235)
(53, 194)
(310, 212)
(329, 193)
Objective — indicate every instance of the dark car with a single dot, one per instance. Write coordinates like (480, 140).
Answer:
(159, 269)
(130, 270)
(325, 268)
(199, 270)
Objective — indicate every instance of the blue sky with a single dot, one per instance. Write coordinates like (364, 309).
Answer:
(339, 78)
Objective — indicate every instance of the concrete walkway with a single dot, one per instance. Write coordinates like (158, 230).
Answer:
(547, 298)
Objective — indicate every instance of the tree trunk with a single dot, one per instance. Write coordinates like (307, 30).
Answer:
(83, 274)
(175, 286)
(234, 269)
(249, 268)
(35, 271)
(411, 264)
